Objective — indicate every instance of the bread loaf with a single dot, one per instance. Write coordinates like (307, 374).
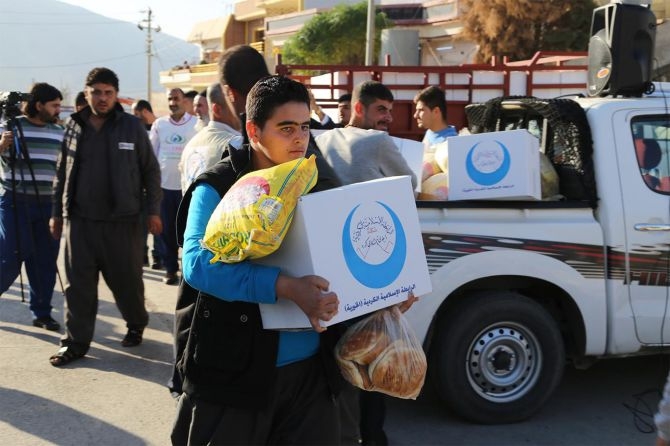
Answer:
(363, 346)
(398, 370)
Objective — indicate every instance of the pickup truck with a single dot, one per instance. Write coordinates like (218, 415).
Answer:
(522, 288)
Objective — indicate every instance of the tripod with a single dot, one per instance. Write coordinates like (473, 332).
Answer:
(21, 173)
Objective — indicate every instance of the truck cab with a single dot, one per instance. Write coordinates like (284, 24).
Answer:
(520, 288)
(631, 141)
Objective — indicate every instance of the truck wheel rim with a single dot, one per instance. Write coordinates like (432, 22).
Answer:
(504, 362)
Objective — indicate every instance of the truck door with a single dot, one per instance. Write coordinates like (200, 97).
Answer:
(645, 175)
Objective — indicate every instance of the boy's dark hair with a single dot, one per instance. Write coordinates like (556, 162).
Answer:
(80, 99)
(40, 92)
(189, 94)
(369, 91)
(433, 97)
(143, 104)
(240, 67)
(271, 92)
(344, 98)
(102, 75)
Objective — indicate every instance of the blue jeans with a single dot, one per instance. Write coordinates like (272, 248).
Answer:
(38, 250)
(169, 248)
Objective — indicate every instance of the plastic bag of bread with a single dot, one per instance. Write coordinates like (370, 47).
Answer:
(436, 187)
(429, 166)
(252, 218)
(442, 156)
(381, 353)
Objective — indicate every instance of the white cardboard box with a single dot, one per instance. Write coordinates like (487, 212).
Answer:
(412, 151)
(364, 239)
(495, 165)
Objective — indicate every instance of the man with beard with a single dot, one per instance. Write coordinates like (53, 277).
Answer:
(169, 135)
(25, 201)
(105, 163)
(201, 110)
(363, 150)
(143, 110)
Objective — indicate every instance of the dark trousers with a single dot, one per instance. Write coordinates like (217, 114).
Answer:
(301, 411)
(38, 250)
(169, 246)
(115, 250)
(373, 413)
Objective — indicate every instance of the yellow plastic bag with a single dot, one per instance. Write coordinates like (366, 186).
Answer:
(251, 220)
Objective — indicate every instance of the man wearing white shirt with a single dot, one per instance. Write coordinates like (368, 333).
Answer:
(207, 146)
(169, 135)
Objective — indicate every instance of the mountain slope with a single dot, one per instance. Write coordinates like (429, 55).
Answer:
(54, 42)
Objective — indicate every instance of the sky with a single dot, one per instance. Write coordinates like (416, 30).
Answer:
(175, 17)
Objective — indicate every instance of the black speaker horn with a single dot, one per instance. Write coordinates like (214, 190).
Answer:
(621, 50)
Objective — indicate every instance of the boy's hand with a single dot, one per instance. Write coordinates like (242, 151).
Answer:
(404, 306)
(311, 294)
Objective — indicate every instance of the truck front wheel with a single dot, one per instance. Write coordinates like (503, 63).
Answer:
(497, 357)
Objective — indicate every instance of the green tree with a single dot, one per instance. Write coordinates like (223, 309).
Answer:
(571, 32)
(334, 37)
(519, 28)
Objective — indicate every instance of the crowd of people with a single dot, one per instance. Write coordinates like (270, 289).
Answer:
(107, 179)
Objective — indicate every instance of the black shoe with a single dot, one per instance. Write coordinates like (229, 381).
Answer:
(171, 279)
(157, 264)
(46, 322)
(64, 356)
(132, 338)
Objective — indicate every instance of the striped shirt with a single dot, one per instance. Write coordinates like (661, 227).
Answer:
(44, 145)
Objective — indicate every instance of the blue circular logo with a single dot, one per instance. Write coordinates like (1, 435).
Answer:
(487, 164)
(374, 244)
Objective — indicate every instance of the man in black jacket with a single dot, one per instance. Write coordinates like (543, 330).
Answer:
(105, 163)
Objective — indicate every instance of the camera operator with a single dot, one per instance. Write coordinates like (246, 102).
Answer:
(25, 204)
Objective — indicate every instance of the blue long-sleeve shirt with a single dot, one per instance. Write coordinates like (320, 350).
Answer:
(244, 281)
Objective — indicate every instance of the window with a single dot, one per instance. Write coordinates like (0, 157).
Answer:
(651, 135)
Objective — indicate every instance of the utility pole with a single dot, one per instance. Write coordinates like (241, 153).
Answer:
(145, 24)
(370, 34)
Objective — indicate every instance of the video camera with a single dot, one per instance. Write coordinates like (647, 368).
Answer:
(10, 102)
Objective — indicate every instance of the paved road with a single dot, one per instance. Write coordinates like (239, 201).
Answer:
(117, 396)
(113, 396)
(589, 409)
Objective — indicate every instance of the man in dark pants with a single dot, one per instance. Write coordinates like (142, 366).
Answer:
(105, 163)
(168, 135)
(25, 201)
(143, 110)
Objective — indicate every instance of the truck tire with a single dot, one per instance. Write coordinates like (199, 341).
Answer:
(524, 352)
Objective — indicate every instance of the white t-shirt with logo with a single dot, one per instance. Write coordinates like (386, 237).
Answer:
(168, 138)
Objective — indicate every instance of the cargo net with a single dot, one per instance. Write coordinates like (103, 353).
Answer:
(562, 128)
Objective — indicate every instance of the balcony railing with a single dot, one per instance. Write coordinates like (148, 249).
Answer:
(258, 46)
